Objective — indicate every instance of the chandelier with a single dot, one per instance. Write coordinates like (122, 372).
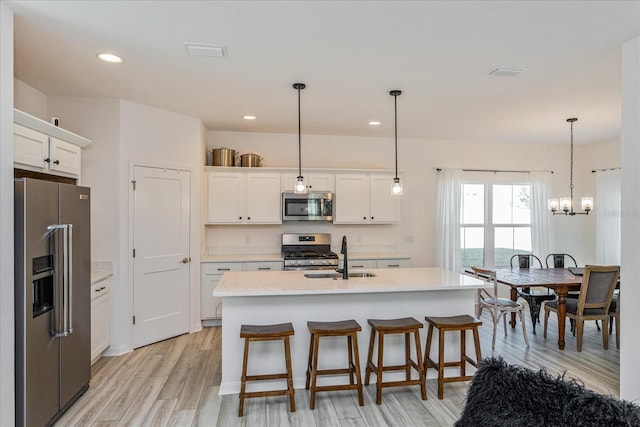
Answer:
(565, 205)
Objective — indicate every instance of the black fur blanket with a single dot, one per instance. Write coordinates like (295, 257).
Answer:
(504, 395)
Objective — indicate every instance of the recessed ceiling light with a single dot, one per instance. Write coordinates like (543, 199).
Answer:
(374, 123)
(199, 49)
(507, 71)
(109, 57)
(249, 117)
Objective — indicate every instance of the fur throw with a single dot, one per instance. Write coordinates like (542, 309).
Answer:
(504, 395)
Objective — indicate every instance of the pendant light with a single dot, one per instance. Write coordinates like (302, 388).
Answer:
(396, 188)
(300, 188)
(566, 203)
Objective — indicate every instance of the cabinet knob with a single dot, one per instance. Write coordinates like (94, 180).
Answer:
(47, 160)
(248, 218)
(239, 217)
(364, 217)
(371, 217)
(57, 162)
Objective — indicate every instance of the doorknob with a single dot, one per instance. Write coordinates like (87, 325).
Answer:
(185, 260)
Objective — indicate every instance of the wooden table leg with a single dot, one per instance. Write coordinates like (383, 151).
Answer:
(514, 297)
(562, 314)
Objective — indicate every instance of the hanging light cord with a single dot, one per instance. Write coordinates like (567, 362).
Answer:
(395, 107)
(571, 164)
(395, 94)
(299, 86)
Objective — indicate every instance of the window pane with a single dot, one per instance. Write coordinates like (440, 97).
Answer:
(472, 204)
(522, 239)
(521, 204)
(472, 246)
(509, 241)
(502, 204)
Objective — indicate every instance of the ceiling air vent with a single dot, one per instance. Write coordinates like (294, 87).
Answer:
(205, 50)
(507, 71)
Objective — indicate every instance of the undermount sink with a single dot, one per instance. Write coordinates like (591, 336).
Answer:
(360, 274)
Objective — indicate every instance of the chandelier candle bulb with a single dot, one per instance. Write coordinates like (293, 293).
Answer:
(587, 203)
(565, 204)
(553, 205)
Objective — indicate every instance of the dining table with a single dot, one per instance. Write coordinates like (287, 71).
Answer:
(560, 280)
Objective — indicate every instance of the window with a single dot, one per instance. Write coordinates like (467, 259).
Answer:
(495, 223)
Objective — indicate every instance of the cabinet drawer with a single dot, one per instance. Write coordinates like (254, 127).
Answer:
(393, 263)
(263, 266)
(101, 288)
(220, 267)
(365, 263)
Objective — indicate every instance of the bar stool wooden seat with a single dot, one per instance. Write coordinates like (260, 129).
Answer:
(349, 329)
(461, 323)
(267, 333)
(406, 326)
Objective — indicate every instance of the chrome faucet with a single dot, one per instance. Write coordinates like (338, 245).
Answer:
(345, 267)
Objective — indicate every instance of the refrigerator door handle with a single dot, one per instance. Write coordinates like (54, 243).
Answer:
(67, 279)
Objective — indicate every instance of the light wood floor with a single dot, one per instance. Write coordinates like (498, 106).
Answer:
(175, 383)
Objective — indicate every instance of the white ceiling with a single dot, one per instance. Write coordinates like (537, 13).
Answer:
(350, 54)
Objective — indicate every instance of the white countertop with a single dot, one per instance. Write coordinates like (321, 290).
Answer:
(273, 283)
(101, 270)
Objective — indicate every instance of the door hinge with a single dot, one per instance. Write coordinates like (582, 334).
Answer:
(134, 320)
(134, 253)
(134, 185)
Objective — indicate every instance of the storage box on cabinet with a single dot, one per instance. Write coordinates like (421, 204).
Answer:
(365, 199)
(243, 198)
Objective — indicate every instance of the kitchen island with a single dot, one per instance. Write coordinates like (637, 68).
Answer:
(288, 296)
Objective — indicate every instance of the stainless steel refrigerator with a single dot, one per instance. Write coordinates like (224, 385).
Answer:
(52, 298)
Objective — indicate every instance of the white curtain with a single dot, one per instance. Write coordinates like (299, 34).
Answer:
(447, 219)
(541, 223)
(607, 207)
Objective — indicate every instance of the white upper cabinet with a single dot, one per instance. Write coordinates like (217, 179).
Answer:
(315, 182)
(365, 199)
(41, 147)
(243, 198)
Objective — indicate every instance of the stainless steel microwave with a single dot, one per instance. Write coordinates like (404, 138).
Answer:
(307, 207)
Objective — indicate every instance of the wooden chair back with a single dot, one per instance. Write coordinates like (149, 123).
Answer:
(596, 291)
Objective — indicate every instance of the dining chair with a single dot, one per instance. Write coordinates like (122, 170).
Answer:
(534, 298)
(596, 293)
(499, 307)
(614, 316)
(558, 260)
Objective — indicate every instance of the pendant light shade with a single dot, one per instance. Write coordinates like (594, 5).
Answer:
(300, 187)
(565, 205)
(396, 188)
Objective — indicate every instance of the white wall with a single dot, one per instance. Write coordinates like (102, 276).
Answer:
(154, 137)
(630, 273)
(417, 161)
(30, 100)
(7, 319)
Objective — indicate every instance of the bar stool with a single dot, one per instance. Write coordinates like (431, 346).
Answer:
(267, 333)
(460, 323)
(343, 328)
(404, 326)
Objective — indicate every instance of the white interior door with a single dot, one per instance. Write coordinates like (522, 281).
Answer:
(161, 262)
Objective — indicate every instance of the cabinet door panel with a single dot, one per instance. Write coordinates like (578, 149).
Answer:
(225, 197)
(210, 307)
(385, 207)
(352, 199)
(64, 157)
(263, 199)
(322, 182)
(30, 147)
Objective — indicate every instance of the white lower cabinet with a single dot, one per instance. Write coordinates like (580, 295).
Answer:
(378, 263)
(100, 318)
(210, 307)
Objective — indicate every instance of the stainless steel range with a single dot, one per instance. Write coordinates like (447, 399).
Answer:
(308, 252)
